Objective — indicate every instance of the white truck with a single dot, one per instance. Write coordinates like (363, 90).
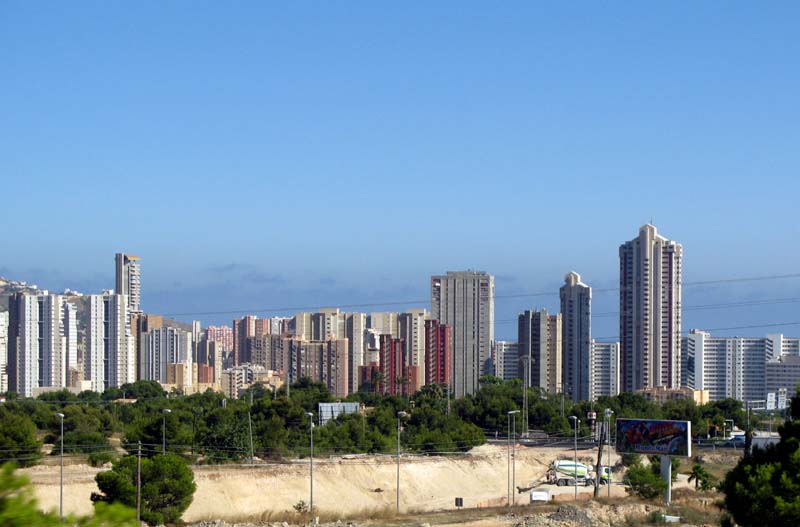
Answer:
(564, 472)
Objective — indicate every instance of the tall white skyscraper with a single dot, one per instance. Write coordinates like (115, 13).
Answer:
(109, 359)
(604, 369)
(3, 351)
(576, 337)
(650, 280)
(129, 280)
(464, 300)
(24, 360)
(42, 331)
(70, 335)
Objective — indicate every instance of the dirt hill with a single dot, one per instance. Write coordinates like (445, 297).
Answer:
(348, 486)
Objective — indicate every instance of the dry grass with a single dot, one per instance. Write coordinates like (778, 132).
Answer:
(302, 518)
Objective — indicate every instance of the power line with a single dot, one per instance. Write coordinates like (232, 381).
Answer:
(700, 307)
(729, 328)
(501, 297)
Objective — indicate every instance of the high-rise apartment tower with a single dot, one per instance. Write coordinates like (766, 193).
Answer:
(576, 336)
(650, 283)
(129, 280)
(464, 300)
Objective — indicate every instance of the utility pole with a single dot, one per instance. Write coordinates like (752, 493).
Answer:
(400, 415)
(139, 484)
(609, 413)
(599, 470)
(164, 411)
(250, 427)
(525, 386)
(513, 497)
(311, 466)
(508, 462)
(448, 399)
(576, 423)
(61, 495)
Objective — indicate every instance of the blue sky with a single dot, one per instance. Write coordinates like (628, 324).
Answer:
(260, 154)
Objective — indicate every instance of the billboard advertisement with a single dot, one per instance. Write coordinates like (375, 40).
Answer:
(654, 437)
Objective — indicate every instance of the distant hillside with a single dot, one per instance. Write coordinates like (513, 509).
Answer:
(9, 287)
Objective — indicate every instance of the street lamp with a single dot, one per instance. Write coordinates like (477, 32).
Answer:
(164, 411)
(311, 466)
(512, 498)
(61, 495)
(609, 413)
(400, 415)
(576, 423)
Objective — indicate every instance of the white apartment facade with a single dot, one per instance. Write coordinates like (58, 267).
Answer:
(506, 360)
(3, 351)
(129, 280)
(43, 328)
(110, 356)
(604, 361)
(732, 367)
(163, 348)
(651, 284)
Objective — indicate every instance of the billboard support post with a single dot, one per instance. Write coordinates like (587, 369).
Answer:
(666, 473)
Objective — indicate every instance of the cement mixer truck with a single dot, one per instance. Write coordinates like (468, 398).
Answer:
(563, 472)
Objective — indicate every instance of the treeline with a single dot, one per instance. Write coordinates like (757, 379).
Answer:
(208, 428)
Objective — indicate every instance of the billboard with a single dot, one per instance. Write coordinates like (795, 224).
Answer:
(654, 437)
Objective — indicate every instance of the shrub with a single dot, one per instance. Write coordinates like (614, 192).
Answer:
(97, 459)
(644, 483)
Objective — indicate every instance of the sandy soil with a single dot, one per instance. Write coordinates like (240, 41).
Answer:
(350, 486)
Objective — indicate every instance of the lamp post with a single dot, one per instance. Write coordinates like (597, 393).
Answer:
(576, 423)
(61, 495)
(164, 411)
(512, 498)
(508, 458)
(609, 413)
(400, 415)
(311, 466)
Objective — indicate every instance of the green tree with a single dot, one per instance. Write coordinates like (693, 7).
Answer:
(143, 390)
(699, 475)
(18, 441)
(764, 488)
(226, 435)
(645, 483)
(85, 429)
(167, 487)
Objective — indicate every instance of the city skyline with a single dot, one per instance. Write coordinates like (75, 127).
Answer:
(739, 302)
(652, 353)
